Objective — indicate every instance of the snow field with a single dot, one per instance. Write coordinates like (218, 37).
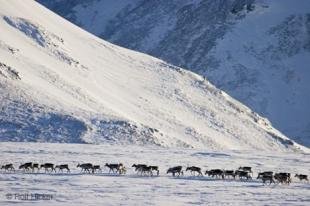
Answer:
(132, 189)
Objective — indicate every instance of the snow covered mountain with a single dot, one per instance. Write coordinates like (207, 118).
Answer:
(258, 51)
(58, 83)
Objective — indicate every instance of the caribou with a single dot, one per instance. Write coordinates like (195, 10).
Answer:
(154, 168)
(95, 168)
(266, 176)
(194, 169)
(268, 173)
(35, 165)
(243, 174)
(144, 169)
(86, 167)
(138, 167)
(283, 177)
(246, 169)
(229, 173)
(26, 166)
(215, 173)
(116, 168)
(302, 177)
(8, 167)
(48, 166)
(62, 167)
(174, 170)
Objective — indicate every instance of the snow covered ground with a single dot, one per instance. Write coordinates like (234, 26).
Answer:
(131, 189)
(59, 83)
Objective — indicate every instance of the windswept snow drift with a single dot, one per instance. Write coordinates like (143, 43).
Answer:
(59, 83)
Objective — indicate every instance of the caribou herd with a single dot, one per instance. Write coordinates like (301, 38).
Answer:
(242, 173)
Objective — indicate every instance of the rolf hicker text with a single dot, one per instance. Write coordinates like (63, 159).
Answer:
(28, 196)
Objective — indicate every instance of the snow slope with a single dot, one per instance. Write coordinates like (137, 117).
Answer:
(59, 83)
(256, 50)
(131, 189)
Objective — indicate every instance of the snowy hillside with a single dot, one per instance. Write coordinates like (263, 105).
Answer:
(256, 50)
(59, 83)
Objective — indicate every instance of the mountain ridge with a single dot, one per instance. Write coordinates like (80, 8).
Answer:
(74, 87)
(256, 51)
